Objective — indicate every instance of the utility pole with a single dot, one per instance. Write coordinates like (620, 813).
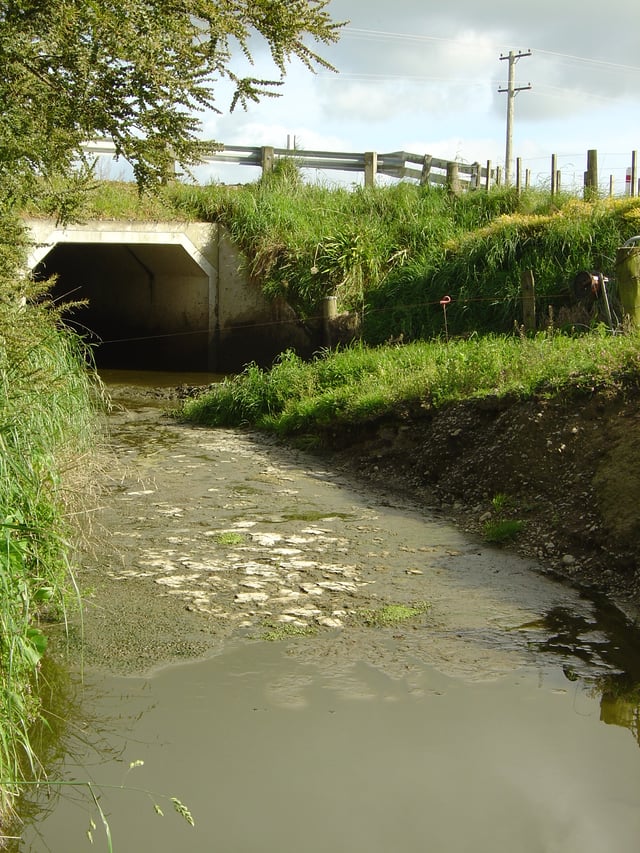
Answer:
(511, 91)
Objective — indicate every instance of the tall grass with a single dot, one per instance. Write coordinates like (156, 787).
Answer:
(359, 383)
(392, 253)
(47, 428)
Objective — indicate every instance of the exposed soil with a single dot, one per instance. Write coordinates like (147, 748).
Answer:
(568, 465)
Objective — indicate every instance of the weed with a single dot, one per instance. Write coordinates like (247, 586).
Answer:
(229, 538)
(502, 530)
(275, 632)
(500, 502)
(392, 614)
(47, 429)
(359, 384)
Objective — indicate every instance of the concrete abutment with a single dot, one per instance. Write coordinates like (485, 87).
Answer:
(163, 295)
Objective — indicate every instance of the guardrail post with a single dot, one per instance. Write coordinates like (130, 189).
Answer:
(426, 169)
(267, 157)
(453, 178)
(487, 180)
(370, 168)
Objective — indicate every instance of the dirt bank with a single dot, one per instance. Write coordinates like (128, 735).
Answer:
(568, 465)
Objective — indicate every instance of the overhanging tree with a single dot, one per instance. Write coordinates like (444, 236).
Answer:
(139, 72)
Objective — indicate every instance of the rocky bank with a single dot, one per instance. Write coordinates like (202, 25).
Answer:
(566, 466)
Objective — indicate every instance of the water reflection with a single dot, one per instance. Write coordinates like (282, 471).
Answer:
(609, 644)
(621, 708)
(272, 755)
(75, 728)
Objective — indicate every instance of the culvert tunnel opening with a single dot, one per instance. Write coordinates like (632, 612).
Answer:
(147, 306)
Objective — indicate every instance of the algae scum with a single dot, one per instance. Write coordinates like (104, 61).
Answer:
(422, 688)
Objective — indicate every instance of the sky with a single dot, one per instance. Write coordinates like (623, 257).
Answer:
(425, 77)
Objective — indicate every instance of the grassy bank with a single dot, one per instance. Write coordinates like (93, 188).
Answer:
(359, 384)
(47, 430)
(391, 253)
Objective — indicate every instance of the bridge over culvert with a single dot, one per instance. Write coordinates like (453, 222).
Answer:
(162, 295)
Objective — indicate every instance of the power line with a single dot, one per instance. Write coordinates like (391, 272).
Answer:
(385, 35)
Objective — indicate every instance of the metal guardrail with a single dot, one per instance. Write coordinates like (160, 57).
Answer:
(397, 164)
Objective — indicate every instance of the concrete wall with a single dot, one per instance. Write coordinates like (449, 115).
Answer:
(166, 296)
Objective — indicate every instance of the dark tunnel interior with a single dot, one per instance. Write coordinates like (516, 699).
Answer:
(147, 305)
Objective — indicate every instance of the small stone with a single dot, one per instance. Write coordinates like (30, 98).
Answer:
(568, 559)
(486, 516)
(251, 597)
(329, 622)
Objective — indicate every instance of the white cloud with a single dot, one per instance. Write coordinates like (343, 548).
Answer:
(426, 80)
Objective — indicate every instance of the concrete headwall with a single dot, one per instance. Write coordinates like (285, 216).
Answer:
(164, 295)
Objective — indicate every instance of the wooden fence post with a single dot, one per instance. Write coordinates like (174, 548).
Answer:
(453, 178)
(487, 184)
(267, 156)
(329, 314)
(518, 175)
(498, 176)
(528, 291)
(554, 174)
(591, 176)
(628, 282)
(370, 168)
(426, 169)
(634, 172)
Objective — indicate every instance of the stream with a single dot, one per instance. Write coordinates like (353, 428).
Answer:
(305, 666)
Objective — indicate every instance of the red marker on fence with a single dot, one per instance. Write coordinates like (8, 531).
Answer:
(444, 302)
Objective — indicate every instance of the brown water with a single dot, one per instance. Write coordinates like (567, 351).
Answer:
(504, 718)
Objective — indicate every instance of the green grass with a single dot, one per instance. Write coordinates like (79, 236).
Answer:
(229, 539)
(47, 432)
(360, 384)
(502, 530)
(391, 253)
(276, 632)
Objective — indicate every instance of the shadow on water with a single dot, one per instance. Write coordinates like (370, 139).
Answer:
(609, 644)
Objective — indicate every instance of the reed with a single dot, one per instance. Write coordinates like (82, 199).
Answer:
(47, 428)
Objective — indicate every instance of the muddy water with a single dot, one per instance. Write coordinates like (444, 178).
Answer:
(502, 717)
